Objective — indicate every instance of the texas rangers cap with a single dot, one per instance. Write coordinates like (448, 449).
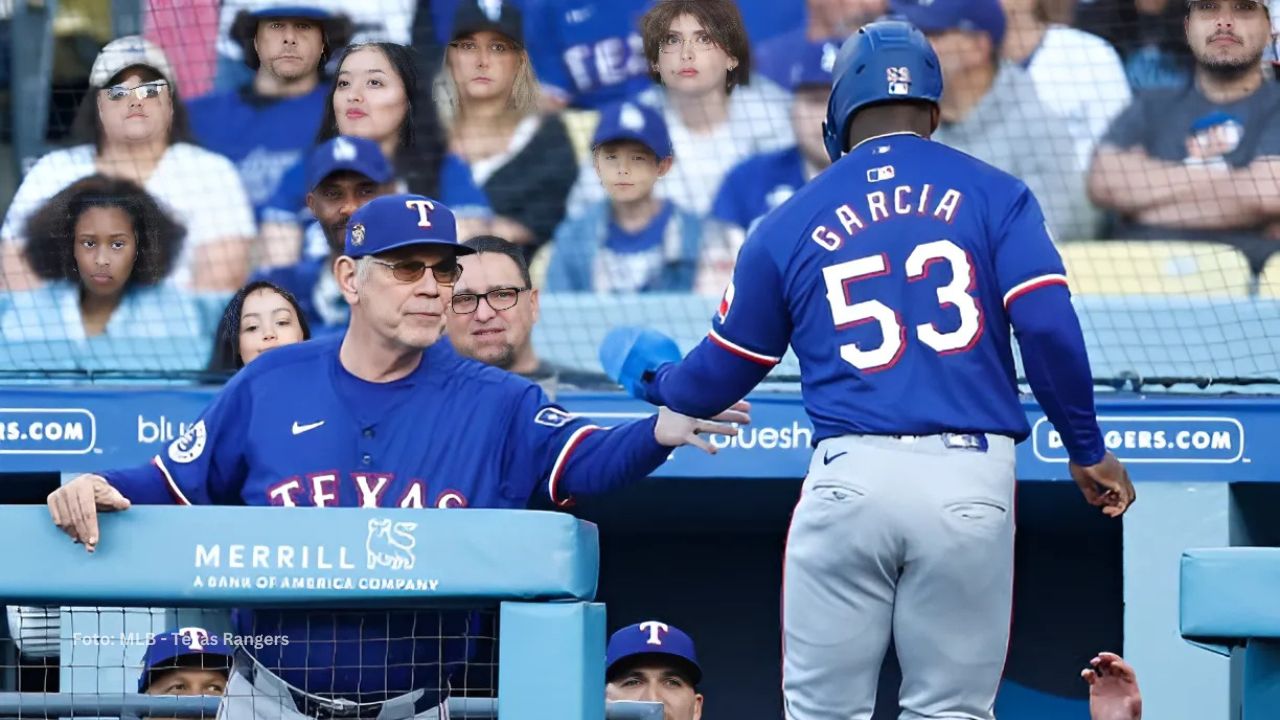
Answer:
(475, 16)
(633, 121)
(169, 650)
(812, 65)
(353, 154)
(126, 52)
(936, 16)
(396, 221)
(653, 638)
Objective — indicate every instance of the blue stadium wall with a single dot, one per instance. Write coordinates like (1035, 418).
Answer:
(700, 544)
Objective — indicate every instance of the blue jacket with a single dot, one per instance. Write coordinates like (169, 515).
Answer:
(573, 256)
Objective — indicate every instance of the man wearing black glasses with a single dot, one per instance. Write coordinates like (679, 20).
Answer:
(494, 309)
(371, 419)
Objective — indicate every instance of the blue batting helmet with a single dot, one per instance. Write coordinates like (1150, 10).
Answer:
(886, 61)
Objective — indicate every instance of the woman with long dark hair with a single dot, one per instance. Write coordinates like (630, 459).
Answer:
(376, 94)
(259, 317)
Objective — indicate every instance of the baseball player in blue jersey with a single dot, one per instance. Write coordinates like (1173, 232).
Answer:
(371, 418)
(895, 276)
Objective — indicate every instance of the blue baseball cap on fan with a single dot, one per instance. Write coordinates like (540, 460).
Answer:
(813, 64)
(171, 649)
(653, 638)
(309, 12)
(354, 154)
(633, 121)
(936, 16)
(405, 220)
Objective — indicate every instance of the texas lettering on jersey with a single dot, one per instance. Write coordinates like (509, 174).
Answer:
(295, 429)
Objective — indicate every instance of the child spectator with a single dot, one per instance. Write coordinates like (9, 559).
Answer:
(698, 54)
(134, 127)
(259, 317)
(103, 246)
(634, 241)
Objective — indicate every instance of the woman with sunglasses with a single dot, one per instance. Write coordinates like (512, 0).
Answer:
(134, 128)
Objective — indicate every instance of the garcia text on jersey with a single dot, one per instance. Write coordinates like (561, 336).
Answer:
(881, 205)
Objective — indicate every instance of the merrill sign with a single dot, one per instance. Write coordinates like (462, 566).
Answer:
(387, 545)
(1176, 439)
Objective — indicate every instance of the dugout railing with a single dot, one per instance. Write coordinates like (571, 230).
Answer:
(536, 570)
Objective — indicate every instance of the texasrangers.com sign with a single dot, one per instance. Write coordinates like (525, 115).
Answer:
(380, 561)
(1154, 439)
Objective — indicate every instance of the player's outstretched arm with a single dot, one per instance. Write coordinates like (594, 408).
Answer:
(1113, 689)
(75, 507)
(1057, 367)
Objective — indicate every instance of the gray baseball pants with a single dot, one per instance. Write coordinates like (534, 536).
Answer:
(906, 536)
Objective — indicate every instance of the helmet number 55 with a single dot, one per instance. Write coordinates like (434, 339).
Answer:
(956, 294)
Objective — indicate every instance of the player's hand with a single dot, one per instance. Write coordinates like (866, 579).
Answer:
(674, 429)
(1105, 485)
(75, 507)
(1113, 689)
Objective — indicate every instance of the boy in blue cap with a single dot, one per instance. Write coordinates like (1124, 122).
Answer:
(654, 662)
(634, 241)
(186, 661)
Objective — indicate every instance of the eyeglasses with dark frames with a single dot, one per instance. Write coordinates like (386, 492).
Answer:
(446, 272)
(499, 299)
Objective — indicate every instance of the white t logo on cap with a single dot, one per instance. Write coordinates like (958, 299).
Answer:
(196, 637)
(631, 118)
(343, 149)
(423, 207)
(654, 629)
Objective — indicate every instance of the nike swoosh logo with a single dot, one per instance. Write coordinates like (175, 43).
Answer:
(299, 429)
(827, 458)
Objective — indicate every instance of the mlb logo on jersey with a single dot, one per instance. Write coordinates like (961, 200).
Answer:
(725, 303)
(899, 79)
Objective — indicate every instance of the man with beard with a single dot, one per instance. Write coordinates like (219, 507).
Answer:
(1202, 161)
(265, 126)
(492, 314)
(343, 174)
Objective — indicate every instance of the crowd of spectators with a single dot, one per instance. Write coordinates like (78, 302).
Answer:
(627, 146)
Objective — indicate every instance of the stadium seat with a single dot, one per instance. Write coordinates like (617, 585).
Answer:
(1269, 282)
(581, 125)
(1156, 268)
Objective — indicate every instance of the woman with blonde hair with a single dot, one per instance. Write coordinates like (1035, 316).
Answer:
(524, 161)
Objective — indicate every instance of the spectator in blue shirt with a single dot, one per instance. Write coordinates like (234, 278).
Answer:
(265, 126)
(826, 21)
(762, 182)
(634, 241)
(343, 174)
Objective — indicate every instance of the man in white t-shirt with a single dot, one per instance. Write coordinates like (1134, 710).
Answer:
(127, 137)
(1079, 76)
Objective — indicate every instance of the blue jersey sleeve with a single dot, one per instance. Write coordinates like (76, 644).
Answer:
(566, 456)
(1025, 255)
(752, 321)
(206, 466)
